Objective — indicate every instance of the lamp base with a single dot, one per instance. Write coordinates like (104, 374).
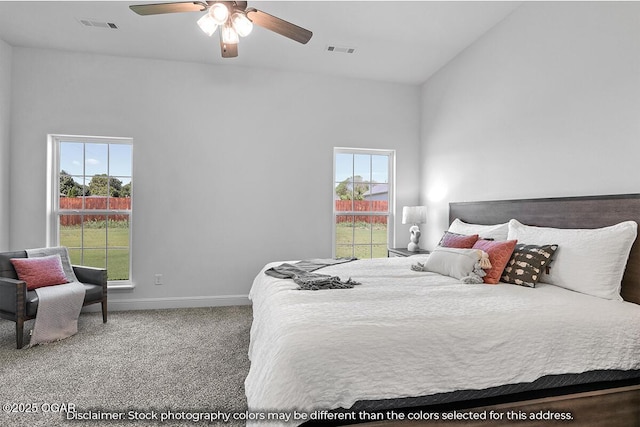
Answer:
(413, 247)
(414, 238)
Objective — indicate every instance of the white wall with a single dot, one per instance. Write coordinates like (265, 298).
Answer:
(5, 115)
(546, 104)
(232, 166)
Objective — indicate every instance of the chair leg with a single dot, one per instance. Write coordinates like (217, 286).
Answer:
(104, 311)
(19, 332)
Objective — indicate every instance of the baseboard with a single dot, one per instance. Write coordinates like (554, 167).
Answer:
(172, 302)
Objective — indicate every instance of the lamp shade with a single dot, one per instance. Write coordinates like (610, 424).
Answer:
(414, 214)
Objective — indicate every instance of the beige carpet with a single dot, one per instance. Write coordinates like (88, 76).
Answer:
(174, 362)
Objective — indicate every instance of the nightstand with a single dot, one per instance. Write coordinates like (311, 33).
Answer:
(395, 252)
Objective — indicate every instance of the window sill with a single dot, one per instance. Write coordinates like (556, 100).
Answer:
(120, 286)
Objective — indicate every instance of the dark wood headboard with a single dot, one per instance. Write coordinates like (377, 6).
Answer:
(564, 212)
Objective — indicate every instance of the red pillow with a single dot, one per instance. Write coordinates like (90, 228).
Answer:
(459, 241)
(40, 271)
(499, 255)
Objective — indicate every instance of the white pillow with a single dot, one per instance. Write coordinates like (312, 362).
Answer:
(590, 261)
(495, 232)
(452, 262)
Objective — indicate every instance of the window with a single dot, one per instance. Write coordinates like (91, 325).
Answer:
(90, 201)
(363, 202)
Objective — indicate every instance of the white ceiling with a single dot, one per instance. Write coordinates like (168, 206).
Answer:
(395, 41)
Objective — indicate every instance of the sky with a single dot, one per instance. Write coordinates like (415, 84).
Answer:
(372, 168)
(79, 159)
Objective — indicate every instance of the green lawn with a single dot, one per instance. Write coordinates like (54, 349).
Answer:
(94, 254)
(368, 240)
(361, 240)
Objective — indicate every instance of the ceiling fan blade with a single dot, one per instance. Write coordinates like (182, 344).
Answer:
(176, 7)
(279, 26)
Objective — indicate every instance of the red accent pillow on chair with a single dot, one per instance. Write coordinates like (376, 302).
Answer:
(40, 271)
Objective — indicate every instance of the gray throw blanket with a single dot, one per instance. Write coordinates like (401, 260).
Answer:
(301, 273)
(58, 306)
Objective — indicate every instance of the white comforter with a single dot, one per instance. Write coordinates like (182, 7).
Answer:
(405, 333)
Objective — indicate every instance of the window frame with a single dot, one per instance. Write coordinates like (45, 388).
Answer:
(391, 206)
(53, 194)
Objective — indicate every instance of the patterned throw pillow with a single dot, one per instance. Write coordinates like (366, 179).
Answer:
(459, 241)
(499, 255)
(527, 264)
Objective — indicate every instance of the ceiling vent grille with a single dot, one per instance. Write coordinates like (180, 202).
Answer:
(341, 49)
(97, 24)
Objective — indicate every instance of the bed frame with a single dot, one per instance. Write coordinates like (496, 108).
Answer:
(564, 212)
(613, 403)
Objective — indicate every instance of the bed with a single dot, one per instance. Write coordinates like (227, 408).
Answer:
(407, 339)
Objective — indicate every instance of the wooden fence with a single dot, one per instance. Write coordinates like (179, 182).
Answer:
(362, 206)
(93, 203)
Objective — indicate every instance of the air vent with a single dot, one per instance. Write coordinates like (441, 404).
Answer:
(341, 49)
(97, 24)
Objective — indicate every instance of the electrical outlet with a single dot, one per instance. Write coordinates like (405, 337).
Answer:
(158, 278)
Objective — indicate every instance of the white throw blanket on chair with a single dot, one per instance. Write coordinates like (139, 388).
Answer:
(58, 306)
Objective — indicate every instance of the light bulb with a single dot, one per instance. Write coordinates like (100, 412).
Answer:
(207, 24)
(229, 35)
(242, 24)
(219, 13)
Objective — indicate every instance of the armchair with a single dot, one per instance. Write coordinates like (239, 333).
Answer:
(19, 304)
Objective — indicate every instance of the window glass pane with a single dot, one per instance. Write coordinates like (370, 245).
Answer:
(118, 232)
(71, 231)
(95, 258)
(96, 159)
(379, 251)
(120, 203)
(70, 185)
(379, 230)
(362, 167)
(361, 251)
(120, 160)
(344, 166)
(380, 169)
(95, 202)
(344, 229)
(363, 205)
(71, 155)
(381, 205)
(72, 203)
(343, 205)
(126, 189)
(101, 186)
(344, 251)
(362, 230)
(75, 256)
(94, 231)
(118, 264)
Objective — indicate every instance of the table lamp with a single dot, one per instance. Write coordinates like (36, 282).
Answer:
(414, 215)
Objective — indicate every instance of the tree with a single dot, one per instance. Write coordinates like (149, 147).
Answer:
(102, 185)
(69, 187)
(352, 188)
(126, 190)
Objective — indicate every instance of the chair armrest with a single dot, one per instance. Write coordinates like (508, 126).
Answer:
(91, 275)
(10, 289)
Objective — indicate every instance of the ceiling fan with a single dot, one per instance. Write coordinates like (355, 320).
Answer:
(233, 17)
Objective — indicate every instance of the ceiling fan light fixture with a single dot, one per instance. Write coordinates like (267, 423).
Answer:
(219, 13)
(229, 35)
(241, 24)
(207, 24)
